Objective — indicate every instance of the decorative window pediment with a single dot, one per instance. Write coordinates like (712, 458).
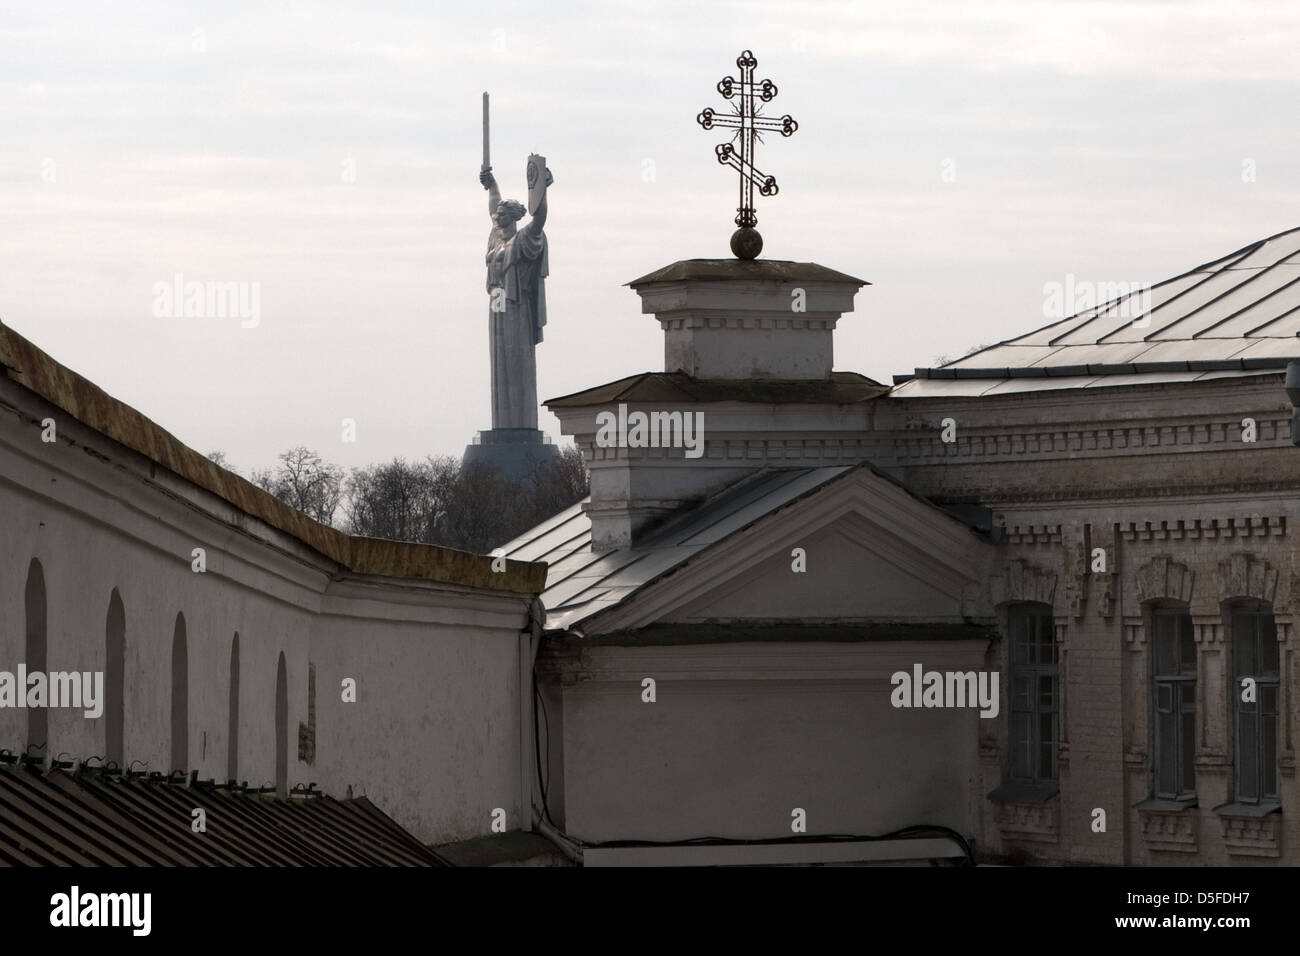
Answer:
(1163, 579)
(1246, 576)
(1022, 581)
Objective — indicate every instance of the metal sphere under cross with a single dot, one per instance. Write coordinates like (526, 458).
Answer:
(749, 125)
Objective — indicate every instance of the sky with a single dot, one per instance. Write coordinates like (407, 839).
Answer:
(958, 156)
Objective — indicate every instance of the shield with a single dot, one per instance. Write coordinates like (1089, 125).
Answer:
(536, 174)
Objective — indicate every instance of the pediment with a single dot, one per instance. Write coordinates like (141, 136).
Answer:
(872, 551)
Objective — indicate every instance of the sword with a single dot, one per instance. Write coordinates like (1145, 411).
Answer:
(486, 162)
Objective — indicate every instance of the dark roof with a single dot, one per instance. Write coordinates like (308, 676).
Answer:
(843, 388)
(26, 365)
(1235, 316)
(95, 818)
(580, 583)
(778, 269)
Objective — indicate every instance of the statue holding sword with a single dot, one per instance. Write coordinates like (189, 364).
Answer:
(516, 269)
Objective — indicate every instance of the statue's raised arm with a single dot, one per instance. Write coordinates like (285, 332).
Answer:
(494, 194)
(538, 221)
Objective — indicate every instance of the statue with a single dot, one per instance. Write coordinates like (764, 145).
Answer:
(516, 274)
(516, 269)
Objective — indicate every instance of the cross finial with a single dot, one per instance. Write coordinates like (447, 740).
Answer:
(746, 243)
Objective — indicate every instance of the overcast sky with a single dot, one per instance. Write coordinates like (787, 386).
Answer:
(1113, 141)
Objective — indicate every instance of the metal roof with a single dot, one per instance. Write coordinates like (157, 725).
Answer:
(1235, 316)
(581, 583)
(92, 817)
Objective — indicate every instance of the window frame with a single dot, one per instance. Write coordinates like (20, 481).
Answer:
(1259, 611)
(1038, 620)
(1183, 691)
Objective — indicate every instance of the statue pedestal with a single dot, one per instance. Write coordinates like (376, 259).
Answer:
(515, 453)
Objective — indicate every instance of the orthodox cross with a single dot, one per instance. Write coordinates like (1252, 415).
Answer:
(749, 125)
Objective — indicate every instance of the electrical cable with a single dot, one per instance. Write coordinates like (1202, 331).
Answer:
(542, 782)
(904, 832)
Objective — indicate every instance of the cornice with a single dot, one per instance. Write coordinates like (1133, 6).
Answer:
(786, 661)
(1027, 497)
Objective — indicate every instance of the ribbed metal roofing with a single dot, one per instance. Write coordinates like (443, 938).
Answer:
(1238, 315)
(93, 818)
(581, 583)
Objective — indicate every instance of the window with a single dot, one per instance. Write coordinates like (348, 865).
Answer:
(1034, 693)
(38, 720)
(232, 730)
(180, 697)
(1173, 694)
(281, 729)
(115, 681)
(1255, 656)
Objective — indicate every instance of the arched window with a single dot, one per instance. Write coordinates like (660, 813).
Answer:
(1255, 659)
(232, 734)
(180, 698)
(115, 681)
(35, 652)
(1173, 702)
(1035, 694)
(281, 729)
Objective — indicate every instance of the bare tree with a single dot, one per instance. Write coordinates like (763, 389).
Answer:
(941, 360)
(305, 481)
(439, 500)
(479, 509)
(395, 500)
(557, 485)
(219, 457)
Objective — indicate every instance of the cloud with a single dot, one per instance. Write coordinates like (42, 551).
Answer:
(1100, 138)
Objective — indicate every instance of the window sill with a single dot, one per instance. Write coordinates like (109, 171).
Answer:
(1167, 826)
(1247, 809)
(1028, 812)
(1250, 829)
(1166, 805)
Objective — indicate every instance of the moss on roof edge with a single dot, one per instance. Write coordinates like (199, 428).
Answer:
(32, 369)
